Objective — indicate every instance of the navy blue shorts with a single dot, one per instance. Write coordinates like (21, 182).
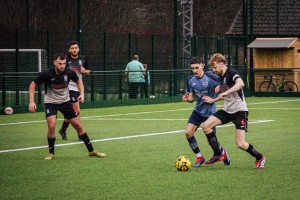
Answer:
(74, 96)
(65, 108)
(196, 119)
(240, 119)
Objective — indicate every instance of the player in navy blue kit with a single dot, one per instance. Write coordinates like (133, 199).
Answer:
(200, 84)
(79, 64)
(235, 110)
(57, 98)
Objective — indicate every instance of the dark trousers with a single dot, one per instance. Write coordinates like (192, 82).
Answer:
(144, 90)
(133, 90)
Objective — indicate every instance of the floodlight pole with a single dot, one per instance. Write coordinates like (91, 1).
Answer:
(187, 28)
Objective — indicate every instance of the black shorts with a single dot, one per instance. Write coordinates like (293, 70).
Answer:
(240, 119)
(65, 108)
(196, 118)
(74, 96)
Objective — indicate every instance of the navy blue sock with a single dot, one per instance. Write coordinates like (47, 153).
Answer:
(193, 144)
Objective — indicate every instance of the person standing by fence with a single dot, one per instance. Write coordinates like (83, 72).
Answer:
(145, 82)
(133, 75)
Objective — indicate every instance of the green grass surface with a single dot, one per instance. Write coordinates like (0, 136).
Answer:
(142, 166)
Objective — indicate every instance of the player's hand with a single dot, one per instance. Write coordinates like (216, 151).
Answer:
(224, 94)
(32, 107)
(82, 70)
(81, 98)
(185, 97)
(208, 99)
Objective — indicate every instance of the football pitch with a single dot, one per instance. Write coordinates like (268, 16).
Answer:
(142, 143)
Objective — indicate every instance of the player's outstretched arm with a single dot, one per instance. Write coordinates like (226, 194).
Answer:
(239, 84)
(208, 99)
(32, 105)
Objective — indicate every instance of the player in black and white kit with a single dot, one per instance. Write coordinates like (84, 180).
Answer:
(235, 110)
(79, 64)
(57, 98)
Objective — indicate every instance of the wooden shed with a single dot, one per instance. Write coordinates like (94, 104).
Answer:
(278, 56)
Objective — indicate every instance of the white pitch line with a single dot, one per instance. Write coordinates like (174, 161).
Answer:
(274, 108)
(120, 138)
(135, 119)
(150, 112)
(272, 102)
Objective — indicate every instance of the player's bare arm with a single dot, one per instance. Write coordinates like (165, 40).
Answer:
(239, 84)
(81, 91)
(217, 89)
(210, 100)
(32, 105)
(84, 71)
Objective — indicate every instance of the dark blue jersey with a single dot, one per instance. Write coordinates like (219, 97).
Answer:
(204, 86)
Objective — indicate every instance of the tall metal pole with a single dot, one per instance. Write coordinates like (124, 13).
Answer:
(79, 22)
(251, 81)
(187, 28)
(175, 47)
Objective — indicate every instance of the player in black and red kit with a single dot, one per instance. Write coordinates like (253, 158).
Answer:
(79, 64)
(235, 110)
(57, 98)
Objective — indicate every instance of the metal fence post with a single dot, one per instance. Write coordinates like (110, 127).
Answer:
(104, 65)
(17, 67)
(153, 62)
(4, 90)
(120, 85)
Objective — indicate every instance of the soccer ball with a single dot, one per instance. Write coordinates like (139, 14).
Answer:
(183, 163)
(9, 110)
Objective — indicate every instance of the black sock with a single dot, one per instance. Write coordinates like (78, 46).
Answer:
(51, 142)
(193, 144)
(251, 150)
(213, 142)
(85, 138)
(65, 126)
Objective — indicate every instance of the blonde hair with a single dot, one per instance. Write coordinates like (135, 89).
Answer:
(217, 58)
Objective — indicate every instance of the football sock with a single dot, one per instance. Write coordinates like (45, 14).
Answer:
(193, 144)
(85, 138)
(65, 126)
(213, 142)
(251, 150)
(51, 142)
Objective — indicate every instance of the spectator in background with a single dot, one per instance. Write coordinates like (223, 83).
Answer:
(133, 75)
(145, 82)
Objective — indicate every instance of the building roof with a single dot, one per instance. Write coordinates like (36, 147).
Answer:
(265, 18)
(272, 43)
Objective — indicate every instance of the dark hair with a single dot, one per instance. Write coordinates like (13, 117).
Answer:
(60, 56)
(72, 43)
(196, 60)
(135, 57)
